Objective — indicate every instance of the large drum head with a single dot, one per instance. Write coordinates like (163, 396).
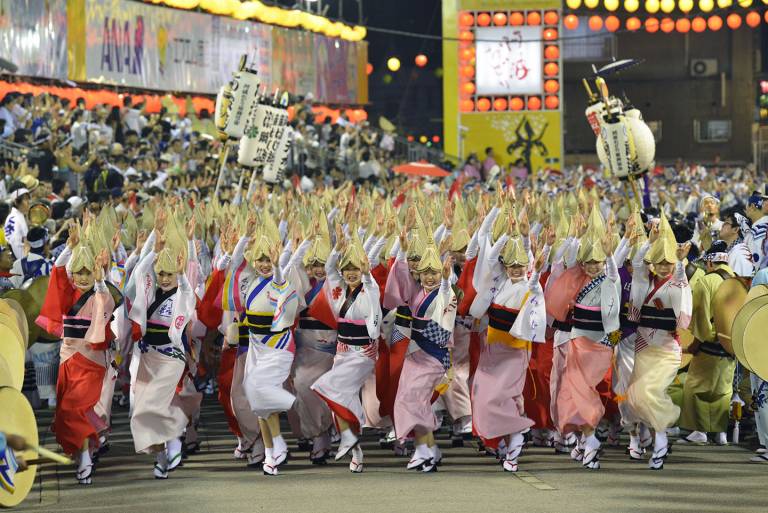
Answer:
(13, 354)
(749, 336)
(18, 419)
(728, 300)
(29, 307)
(685, 338)
(13, 309)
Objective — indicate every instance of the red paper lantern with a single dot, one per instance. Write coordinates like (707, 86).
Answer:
(466, 36)
(534, 18)
(667, 25)
(516, 103)
(468, 71)
(550, 34)
(551, 86)
(483, 104)
(483, 19)
(421, 60)
(683, 25)
(551, 18)
(552, 102)
(699, 24)
(733, 20)
(435, 139)
(715, 23)
(766, 16)
(651, 25)
(410, 138)
(516, 19)
(466, 19)
(465, 54)
(500, 104)
(534, 103)
(612, 23)
(753, 18)
(468, 87)
(551, 53)
(467, 105)
(595, 23)
(633, 23)
(551, 69)
(571, 22)
(369, 68)
(499, 19)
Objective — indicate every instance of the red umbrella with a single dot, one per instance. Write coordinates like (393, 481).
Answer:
(421, 168)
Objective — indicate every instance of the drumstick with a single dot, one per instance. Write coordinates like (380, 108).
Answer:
(48, 455)
(724, 336)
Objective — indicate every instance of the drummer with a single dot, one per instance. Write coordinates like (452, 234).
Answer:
(708, 387)
(760, 393)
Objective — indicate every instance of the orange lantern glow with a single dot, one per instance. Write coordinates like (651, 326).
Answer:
(468, 87)
(595, 23)
(483, 104)
(551, 86)
(465, 54)
(651, 25)
(766, 16)
(499, 19)
(612, 23)
(715, 23)
(534, 18)
(534, 103)
(500, 104)
(699, 24)
(683, 25)
(551, 53)
(667, 25)
(752, 18)
(571, 22)
(466, 19)
(551, 69)
(733, 20)
(551, 18)
(633, 23)
(516, 103)
(467, 106)
(466, 36)
(468, 71)
(421, 60)
(483, 19)
(552, 102)
(549, 34)
(516, 19)
(435, 139)
(369, 68)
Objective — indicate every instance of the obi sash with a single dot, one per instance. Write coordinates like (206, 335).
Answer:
(587, 318)
(156, 335)
(658, 318)
(429, 335)
(75, 326)
(403, 316)
(500, 321)
(353, 333)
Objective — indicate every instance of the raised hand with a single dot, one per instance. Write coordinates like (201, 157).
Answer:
(550, 236)
(101, 261)
(180, 264)
(159, 243)
(365, 266)
(607, 243)
(141, 238)
(654, 234)
(682, 250)
(340, 241)
(274, 254)
(447, 267)
(191, 228)
(74, 234)
(539, 262)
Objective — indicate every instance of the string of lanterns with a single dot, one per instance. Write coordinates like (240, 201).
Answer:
(652, 24)
(255, 10)
(665, 6)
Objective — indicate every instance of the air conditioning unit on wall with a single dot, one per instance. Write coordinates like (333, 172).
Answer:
(703, 68)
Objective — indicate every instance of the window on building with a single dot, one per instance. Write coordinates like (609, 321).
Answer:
(712, 130)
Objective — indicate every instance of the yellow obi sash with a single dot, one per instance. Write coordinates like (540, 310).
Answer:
(500, 321)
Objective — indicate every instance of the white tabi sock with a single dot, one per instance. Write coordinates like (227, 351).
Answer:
(85, 460)
(278, 445)
(173, 447)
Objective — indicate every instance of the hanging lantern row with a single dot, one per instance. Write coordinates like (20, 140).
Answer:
(651, 24)
(504, 18)
(665, 6)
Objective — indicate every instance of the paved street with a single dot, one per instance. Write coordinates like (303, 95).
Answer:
(695, 480)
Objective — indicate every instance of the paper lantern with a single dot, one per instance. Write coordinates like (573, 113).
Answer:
(468, 87)
(595, 23)
(651, 25)
(752, 18)
(483, 104)
(631, 5)
(766, 15)
(534, 18)
(551, 53)
(571, 22)
(715, 23)
(612, 23)
(633, 23)
(483, 19)
(500, 104)
(724, 4)
(552, 102)
(683, 25)
(667, 6)
(467, 105)
(685, 5)
(733, 20)
(466, 36)
(468, 71)
(549, 34)
(591, 4)
(466, 19)
(652, 6)
(611, 5)
(573, 4)
(551, 86)
(551, 69)
(667, 25)
(699, 24)
(516, 19)
(744, 3)
(421, 60)
(499, 19)
(551, 18)
(369, 68)
(706, 5)
(516, 103)
(410, 137)
(393, 63)
(435, 139)
(534, 103)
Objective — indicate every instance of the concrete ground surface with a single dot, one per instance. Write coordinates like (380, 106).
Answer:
(695, 479)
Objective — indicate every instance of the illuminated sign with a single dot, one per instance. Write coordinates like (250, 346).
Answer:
(509, 60)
